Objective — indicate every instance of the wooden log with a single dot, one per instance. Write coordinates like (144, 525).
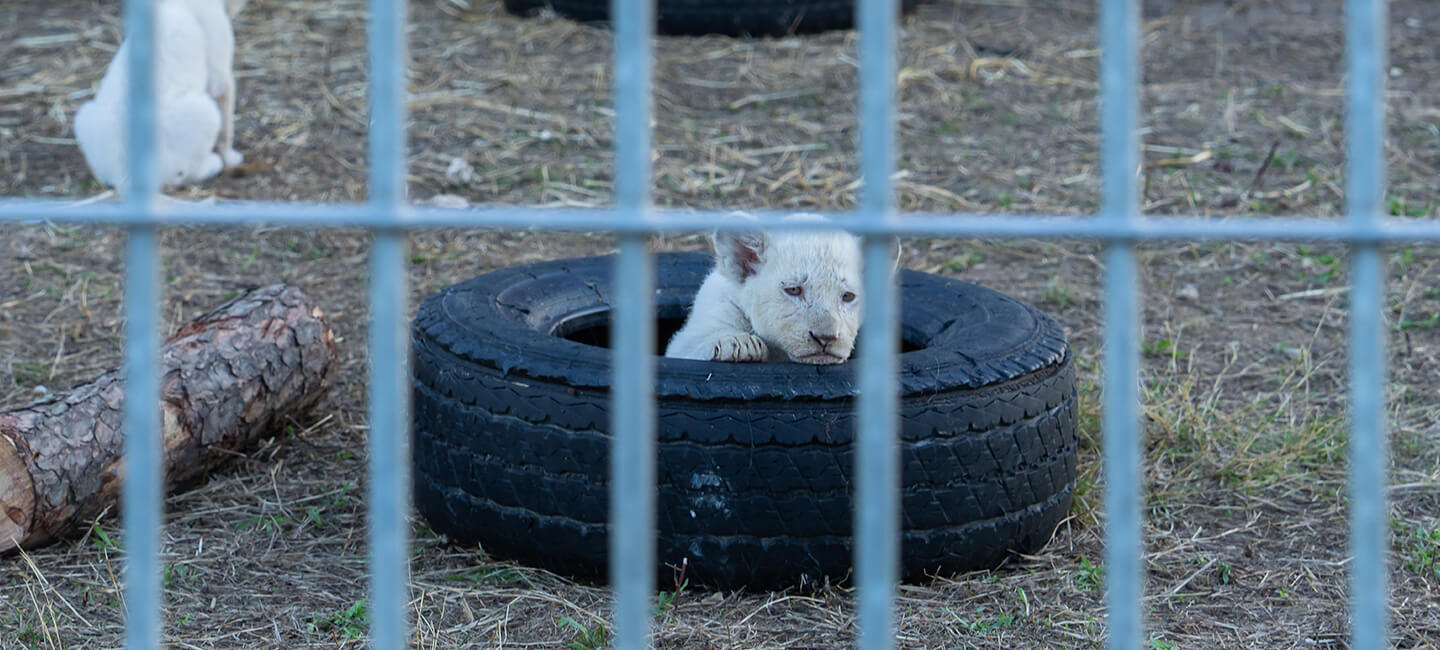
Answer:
(229, 378)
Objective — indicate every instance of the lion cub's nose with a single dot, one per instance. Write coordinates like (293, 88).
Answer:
(822, 339)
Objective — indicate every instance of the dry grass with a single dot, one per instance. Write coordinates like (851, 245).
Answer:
(1245, 370)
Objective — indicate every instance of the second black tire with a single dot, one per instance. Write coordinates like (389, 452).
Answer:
(728, 17)
(755, 461)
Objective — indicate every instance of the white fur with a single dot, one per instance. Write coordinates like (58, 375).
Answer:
(195, 83)
(746, 309)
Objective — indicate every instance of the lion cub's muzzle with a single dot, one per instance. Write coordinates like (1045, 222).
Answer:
(824, 343)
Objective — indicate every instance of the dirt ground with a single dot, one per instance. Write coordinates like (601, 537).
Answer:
(1244, 343)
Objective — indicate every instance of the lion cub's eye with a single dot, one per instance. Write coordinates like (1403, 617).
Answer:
(848, 296)
(794, 291)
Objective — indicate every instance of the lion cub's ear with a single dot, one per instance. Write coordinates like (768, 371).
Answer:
(739, 254)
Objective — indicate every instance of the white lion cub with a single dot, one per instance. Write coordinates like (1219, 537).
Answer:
(776, 296)
(195, 83)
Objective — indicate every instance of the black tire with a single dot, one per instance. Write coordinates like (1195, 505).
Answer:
(511, 441)
(728, 17)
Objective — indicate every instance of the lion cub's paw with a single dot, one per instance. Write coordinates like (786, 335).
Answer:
(232, 158)
(740, 347)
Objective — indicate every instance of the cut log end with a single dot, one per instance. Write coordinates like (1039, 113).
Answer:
(17, 493)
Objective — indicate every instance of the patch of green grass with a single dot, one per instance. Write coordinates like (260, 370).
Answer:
(30, 373)
(981, 621)
(1059, 296)
(949, 126)
(963, 261)
(978, 103)
(1428, 324)
(665, 600)
(29, 636)
(1198, 430)
(313, 517)
(586, 638)
(1089, 577)
(103, 543)
(1324, 265)
(1055, 113)
(1418, 546)
(1399, 207)
(268, 523)
(1164, 348)
(33, 628)
(1286, 160)
(315, 254)
(176, 574)
(1223, 572)
(1085, 504)
(488, 576)
(349, 623)
(1406, 258)
(1410, 443)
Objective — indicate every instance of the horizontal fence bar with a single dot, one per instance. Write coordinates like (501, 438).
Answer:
(319, 215)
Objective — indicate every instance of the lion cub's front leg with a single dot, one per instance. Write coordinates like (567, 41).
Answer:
(740, 347)
(717, 328)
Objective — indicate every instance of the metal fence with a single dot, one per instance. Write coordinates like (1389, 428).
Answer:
(1118, 224)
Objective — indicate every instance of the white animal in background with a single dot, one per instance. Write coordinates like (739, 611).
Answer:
(195, 83)
(786, 295)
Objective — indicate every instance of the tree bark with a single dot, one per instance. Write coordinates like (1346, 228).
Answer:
(229, 377)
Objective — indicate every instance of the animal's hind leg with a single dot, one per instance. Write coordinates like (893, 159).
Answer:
(187, 138)
(226, 144)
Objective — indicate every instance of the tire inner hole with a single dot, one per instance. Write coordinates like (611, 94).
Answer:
(592, 327)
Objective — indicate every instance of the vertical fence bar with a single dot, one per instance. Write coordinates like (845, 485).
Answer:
(389, 449)
(142, 499)
(632, 424)
(877, 458)
(1119, 159)
(1364, 198)
(142, 504)
(142, 182)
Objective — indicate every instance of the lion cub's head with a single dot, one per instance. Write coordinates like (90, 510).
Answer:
(800, 290)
